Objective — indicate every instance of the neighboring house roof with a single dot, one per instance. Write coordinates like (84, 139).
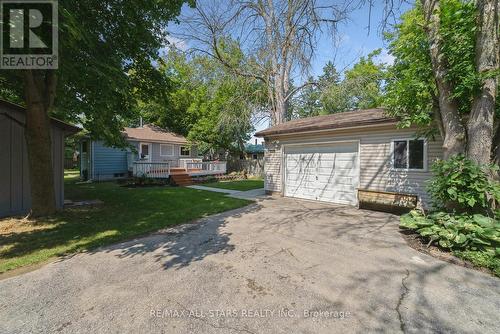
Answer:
(152, 133)
(347, 119)
(69, 128)
(250, 148)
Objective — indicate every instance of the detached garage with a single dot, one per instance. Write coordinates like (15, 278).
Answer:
(332, 158)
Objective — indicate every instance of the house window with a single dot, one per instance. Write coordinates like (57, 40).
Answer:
(166, 150)
(409, 154)
(185, 151)
(254, 156)
(144, 150)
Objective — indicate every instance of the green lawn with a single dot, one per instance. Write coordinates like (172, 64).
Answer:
(126, 213)
(241, 185)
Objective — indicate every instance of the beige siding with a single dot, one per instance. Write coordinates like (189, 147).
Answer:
(272, 167)
(376, 172)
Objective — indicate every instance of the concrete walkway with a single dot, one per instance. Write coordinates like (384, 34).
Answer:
(249, 194)
(277, 266)
(217, 190)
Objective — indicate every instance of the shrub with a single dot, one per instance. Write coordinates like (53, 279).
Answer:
(482, 259)
(460, 184)
(456, 232)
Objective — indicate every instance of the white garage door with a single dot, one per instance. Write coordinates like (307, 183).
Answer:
(328, 173)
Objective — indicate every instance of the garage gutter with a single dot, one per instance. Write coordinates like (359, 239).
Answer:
(264, 133)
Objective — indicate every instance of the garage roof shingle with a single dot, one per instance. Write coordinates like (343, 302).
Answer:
(334, 121)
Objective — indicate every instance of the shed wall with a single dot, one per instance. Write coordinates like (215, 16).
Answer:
(15, 195)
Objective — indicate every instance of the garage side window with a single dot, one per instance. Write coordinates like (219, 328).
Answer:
(409, 154)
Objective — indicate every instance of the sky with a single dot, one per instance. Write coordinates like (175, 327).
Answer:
(357, 36)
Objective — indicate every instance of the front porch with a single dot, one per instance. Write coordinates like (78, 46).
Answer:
(165, 169)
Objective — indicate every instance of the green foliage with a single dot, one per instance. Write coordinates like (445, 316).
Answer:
(307, 103)
(143, 181)
(411, 92)
(471, 227)
(481, 259)
(458, 31)
(205, 102)
(361, 87)
(241, 185)
(108, 50)
(460, 184)
(410, 85)
(457, 232)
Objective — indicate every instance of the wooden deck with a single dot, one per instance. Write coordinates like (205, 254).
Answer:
(163, 170)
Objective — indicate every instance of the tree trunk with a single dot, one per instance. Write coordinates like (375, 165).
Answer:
(454, 131)
(436, 113)
(39, 89)
(281, 105)
(281, 110)
(481, 121)
(279, 96)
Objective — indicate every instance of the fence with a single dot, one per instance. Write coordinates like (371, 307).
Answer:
(69, 163)
(252, 167)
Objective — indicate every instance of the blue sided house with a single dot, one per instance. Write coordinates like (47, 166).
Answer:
(154, 153)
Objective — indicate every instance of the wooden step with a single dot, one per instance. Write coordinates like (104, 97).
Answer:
(181, 179)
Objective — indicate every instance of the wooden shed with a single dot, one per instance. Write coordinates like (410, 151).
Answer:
(15, 194)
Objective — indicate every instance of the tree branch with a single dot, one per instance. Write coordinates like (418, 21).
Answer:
(295, 90)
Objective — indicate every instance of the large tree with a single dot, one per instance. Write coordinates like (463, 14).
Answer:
(277, 37)
(360, 88)
(446, 72)
(205, 101)
(107, 49)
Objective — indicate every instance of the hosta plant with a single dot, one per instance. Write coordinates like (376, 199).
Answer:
(456, 232)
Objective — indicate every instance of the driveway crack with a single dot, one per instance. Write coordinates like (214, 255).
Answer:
(402, 296)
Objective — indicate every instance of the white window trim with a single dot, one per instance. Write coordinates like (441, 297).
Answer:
(184, 155)
(171, 150)
(425, 169)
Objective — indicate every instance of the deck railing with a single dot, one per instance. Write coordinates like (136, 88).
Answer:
(156, 170)
(184, 161)
(210, 167)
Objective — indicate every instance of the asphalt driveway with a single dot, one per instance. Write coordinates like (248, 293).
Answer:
(279, 266)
